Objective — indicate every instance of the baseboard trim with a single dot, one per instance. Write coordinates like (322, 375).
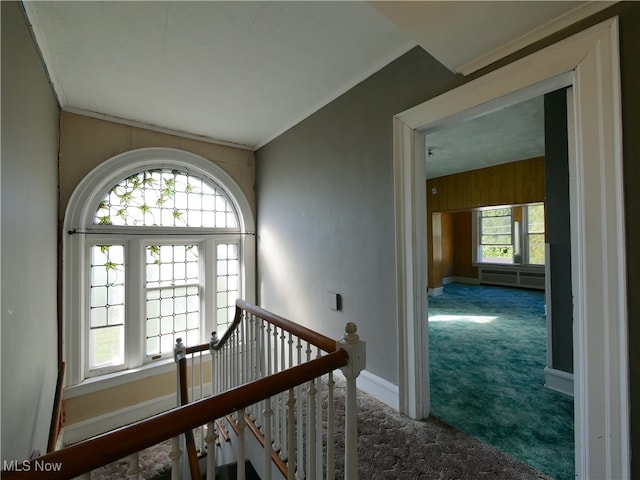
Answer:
(467, 280)
(377, 387)
(434, 292)
(558, 380)
(79, 431)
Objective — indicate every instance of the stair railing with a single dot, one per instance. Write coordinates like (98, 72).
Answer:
(295, 427)
(79, 459)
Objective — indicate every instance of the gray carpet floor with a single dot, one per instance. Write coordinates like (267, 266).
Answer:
(390, 446)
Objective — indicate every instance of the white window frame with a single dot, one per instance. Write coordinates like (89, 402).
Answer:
(478, 241)
(526, 251)
(519, 236)
(79, 218)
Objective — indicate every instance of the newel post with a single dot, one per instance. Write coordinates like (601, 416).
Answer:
(356, 349)
(177, 444)
(212, 434)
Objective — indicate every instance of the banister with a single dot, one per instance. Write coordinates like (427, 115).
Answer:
(54, 429)
(323, 342)
(192, 454)
(87, 455)
(237, 318)
(203, 347)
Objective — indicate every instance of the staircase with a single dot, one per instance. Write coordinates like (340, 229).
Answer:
(258, 400)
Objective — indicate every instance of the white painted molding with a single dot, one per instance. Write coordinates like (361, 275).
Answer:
(598, 265)
(98, 384)
(589, 61)
(79, 431)
(43, 49)
(558, 380)
(376, 386)
(456, 279)
(411, 276)
(155, 128)
(576, 14)
(435, 292)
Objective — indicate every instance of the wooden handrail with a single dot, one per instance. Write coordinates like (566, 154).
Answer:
(321, 341)
(192, 453)
(95, 452)
(237, 318)
(56, 415)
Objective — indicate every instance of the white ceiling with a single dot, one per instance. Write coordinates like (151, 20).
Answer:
(242, 73)
(506, 135)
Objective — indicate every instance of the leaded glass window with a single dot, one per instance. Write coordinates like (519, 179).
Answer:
(146, 290)
(167, 198)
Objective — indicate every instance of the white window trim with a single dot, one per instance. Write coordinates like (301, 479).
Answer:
(526, 253)
(519, 238)
(79, 214)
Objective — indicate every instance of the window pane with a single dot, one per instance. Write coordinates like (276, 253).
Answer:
(107, 303)
(495, 229)
(496, 240)
(107, 347)
(167, 198)
(535, 218)
(495, 236)
(535, 233)
(536, 249)
(173, 297)
(501, 254)
(227, 283)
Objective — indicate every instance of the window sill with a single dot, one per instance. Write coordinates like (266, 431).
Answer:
(510, 266)
(104, 382)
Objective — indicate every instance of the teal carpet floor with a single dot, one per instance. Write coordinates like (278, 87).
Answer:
(487, 357)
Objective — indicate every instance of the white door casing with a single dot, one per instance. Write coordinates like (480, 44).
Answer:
(589, 61)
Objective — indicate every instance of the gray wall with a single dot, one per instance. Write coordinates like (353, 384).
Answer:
(326, 214)
(556, 169)
(29, 241)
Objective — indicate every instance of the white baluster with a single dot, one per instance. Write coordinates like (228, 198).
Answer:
(134, 470)
(276, 419)
(175, 456)
(357, 361)
(311, 430)
(210, 439)
(330, 427)
(300, 470)
(282, 427)
(179, 352)
(319, 409)
(214, 364)
(266, 428)
(248, 347)
(291, 435)
(261, 337)
(241, 455)
(234, 360)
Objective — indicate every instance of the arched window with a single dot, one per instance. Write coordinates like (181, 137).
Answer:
(159, 244)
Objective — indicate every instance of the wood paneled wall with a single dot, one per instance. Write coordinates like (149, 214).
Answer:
(449, 206)
(510, 183)
(462, 246)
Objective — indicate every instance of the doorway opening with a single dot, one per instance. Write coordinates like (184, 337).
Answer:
(589, 62)
(489, 264)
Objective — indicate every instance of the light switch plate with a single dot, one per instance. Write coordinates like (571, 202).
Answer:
(335, 301)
